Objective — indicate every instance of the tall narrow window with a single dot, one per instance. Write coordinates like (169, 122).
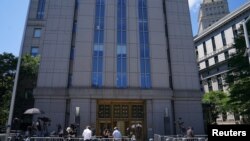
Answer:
(216, 60)
(213, 44)
(144, 44)
(223, 38)
(97, 66)
(235, 32)
(209, 83)
(207, 64)
(226, 54)
(220, 84)
(34, 51)
(121, 78)
(40, 9)
(205, 48)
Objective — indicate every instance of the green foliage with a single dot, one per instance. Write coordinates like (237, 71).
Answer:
(216, 102)
(7, 73)
(26, 83)
(239, 77)
(240, 96)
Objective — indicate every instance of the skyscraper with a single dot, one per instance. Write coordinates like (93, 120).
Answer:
(211, 11)
(115, 63)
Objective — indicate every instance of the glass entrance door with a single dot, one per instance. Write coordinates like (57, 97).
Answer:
(128, 116)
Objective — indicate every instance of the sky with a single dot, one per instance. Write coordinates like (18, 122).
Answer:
(13, 16)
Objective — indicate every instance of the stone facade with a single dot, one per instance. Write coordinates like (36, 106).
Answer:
(65, 73)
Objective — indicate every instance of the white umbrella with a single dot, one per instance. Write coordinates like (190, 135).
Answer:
(33, 111)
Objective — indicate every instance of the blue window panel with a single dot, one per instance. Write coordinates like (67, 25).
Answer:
(143, 66)
(121, 25)
(142, 3)
(99, 24)
(100, 11)
(144, 51)
(121, 49)
(124, 65)
(147, 81)
(122, 2)
(143, 81)
(119, 65)
(99, 36)
(100, 2)
(100, 63)
(143, 26)
(40, 9)
(144, 38)
(119, 80)
(34, 51)
(95, 64)
(121, 37)
(94, 79)
(147, 65)
(97, 79)
(124, 79)
(121, 14)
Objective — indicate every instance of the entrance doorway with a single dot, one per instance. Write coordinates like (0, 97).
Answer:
(127, 115)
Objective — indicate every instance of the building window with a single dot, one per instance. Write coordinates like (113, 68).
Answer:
(37, 32)
(213, 44)
(219, 81)
(40, 9)
(209, 83)
(121, 78)
(34, 51)
(144, 44)
(235, 32)
(207, 64)
(205, 48)
(224, 42)
(226, 54)
(216, 60)
(97, 66)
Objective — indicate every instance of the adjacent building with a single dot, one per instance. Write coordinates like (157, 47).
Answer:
(211, 11)
(107, 63)
(213, 48)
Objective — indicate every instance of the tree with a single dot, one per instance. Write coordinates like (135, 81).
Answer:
(7, 73)
(239, 78)
(26, 83)
(216, 102)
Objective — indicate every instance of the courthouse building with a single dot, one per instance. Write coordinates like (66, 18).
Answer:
(213, 48)
(107, 63)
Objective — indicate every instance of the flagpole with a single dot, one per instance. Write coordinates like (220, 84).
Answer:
(12, 104)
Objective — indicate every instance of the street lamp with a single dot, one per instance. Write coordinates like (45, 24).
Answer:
(246, 37)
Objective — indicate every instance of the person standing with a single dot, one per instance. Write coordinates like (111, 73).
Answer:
(87, 134)
(117, 134)
(190, 132)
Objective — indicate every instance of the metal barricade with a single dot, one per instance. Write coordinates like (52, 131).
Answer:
(179, 138)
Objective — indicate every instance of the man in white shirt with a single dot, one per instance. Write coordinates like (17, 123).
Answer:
(87, 134)
(117, 134)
